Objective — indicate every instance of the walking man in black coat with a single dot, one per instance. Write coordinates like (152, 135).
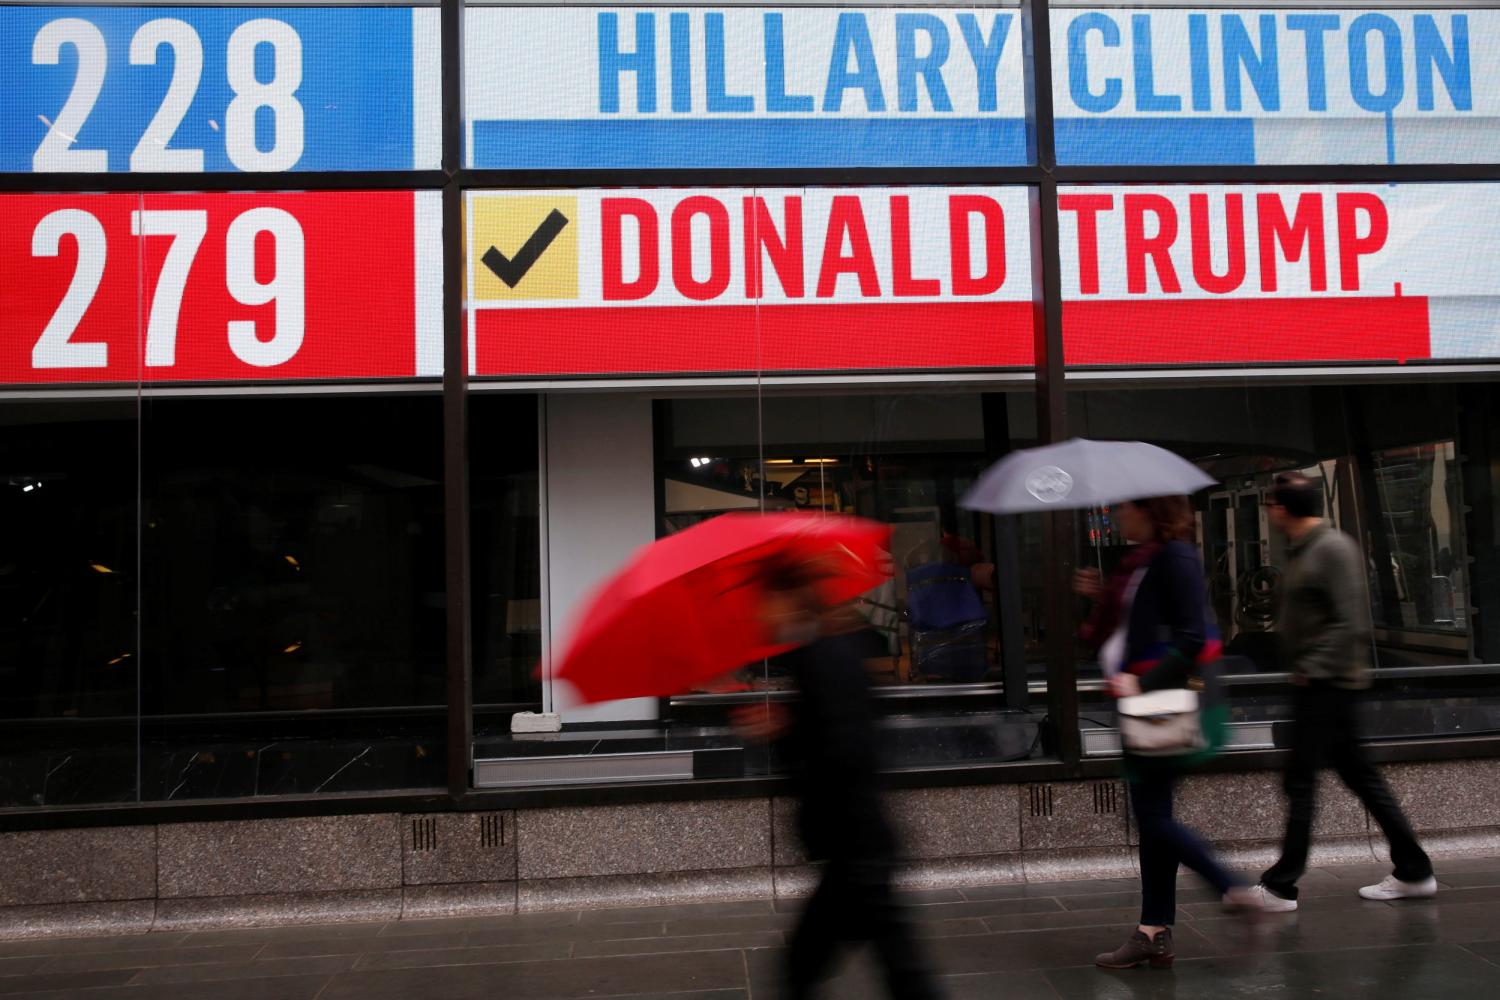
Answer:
(830, 741)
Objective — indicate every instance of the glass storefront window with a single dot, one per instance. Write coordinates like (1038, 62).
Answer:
(69, 652)
(221, 598)
(505, 555)
(291, 596)
(958, 610)
(1399, 473)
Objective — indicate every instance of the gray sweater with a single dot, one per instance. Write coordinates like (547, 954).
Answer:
(1325, 613)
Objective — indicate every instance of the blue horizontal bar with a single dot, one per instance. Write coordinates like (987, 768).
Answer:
(762, 142)
(1155, 141)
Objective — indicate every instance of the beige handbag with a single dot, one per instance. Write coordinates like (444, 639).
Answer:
(1164, 723)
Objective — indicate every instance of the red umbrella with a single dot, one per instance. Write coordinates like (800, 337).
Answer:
(687, 608)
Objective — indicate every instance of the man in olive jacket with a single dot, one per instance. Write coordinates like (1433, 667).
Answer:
(1326, 631)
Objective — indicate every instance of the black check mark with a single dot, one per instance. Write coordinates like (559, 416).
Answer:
(512, 269)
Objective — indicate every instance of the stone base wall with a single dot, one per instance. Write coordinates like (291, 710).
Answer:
(389, 866)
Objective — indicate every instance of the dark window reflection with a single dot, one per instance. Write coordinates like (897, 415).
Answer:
(292, 595)
(68, 653)
(505, 554)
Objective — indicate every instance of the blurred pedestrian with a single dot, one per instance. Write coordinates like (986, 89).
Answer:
(830, 742)
(1326, 631)
(1150, 627)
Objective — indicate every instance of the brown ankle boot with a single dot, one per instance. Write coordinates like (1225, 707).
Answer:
(1140, 950)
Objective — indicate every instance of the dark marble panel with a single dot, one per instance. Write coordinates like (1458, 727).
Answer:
(196, 773)
(216, 768)
(69, 776)
(310, 767)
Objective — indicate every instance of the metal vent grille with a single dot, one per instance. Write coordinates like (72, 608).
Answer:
(424, 834)
(491, 830)
(1041, 800)
(1106, 798)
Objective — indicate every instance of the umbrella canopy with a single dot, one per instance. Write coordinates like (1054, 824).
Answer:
(1081, 473)
(688, 607)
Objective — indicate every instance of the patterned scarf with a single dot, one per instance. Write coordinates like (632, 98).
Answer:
(1105, 618)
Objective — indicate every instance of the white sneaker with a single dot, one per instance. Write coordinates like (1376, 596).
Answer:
(1392, 887)
(1262, 899)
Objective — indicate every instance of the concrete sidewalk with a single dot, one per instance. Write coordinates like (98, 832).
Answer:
(1020, 942)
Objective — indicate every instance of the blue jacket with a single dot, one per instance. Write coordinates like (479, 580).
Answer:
(1170, 627)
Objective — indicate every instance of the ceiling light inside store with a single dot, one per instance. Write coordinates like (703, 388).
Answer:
(100, 568)
(780, 461)
(821, 461)
(698, 463)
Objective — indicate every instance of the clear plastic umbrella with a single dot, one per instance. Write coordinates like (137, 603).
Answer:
(1080, 473)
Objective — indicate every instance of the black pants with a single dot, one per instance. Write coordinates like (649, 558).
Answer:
(1166, 844)
(855, 902)
(1325, 730)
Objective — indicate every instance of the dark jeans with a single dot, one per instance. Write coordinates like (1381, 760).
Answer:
(1325, 729)
(1166, 843)
(855, 902)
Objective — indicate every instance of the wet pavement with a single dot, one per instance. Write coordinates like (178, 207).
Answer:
(1020, 942)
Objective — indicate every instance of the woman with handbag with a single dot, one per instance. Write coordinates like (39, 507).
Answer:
(1151, 629)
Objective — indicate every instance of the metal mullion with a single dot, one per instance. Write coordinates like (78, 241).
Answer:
(312, 180)
(1051, 399)
(455, 415)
